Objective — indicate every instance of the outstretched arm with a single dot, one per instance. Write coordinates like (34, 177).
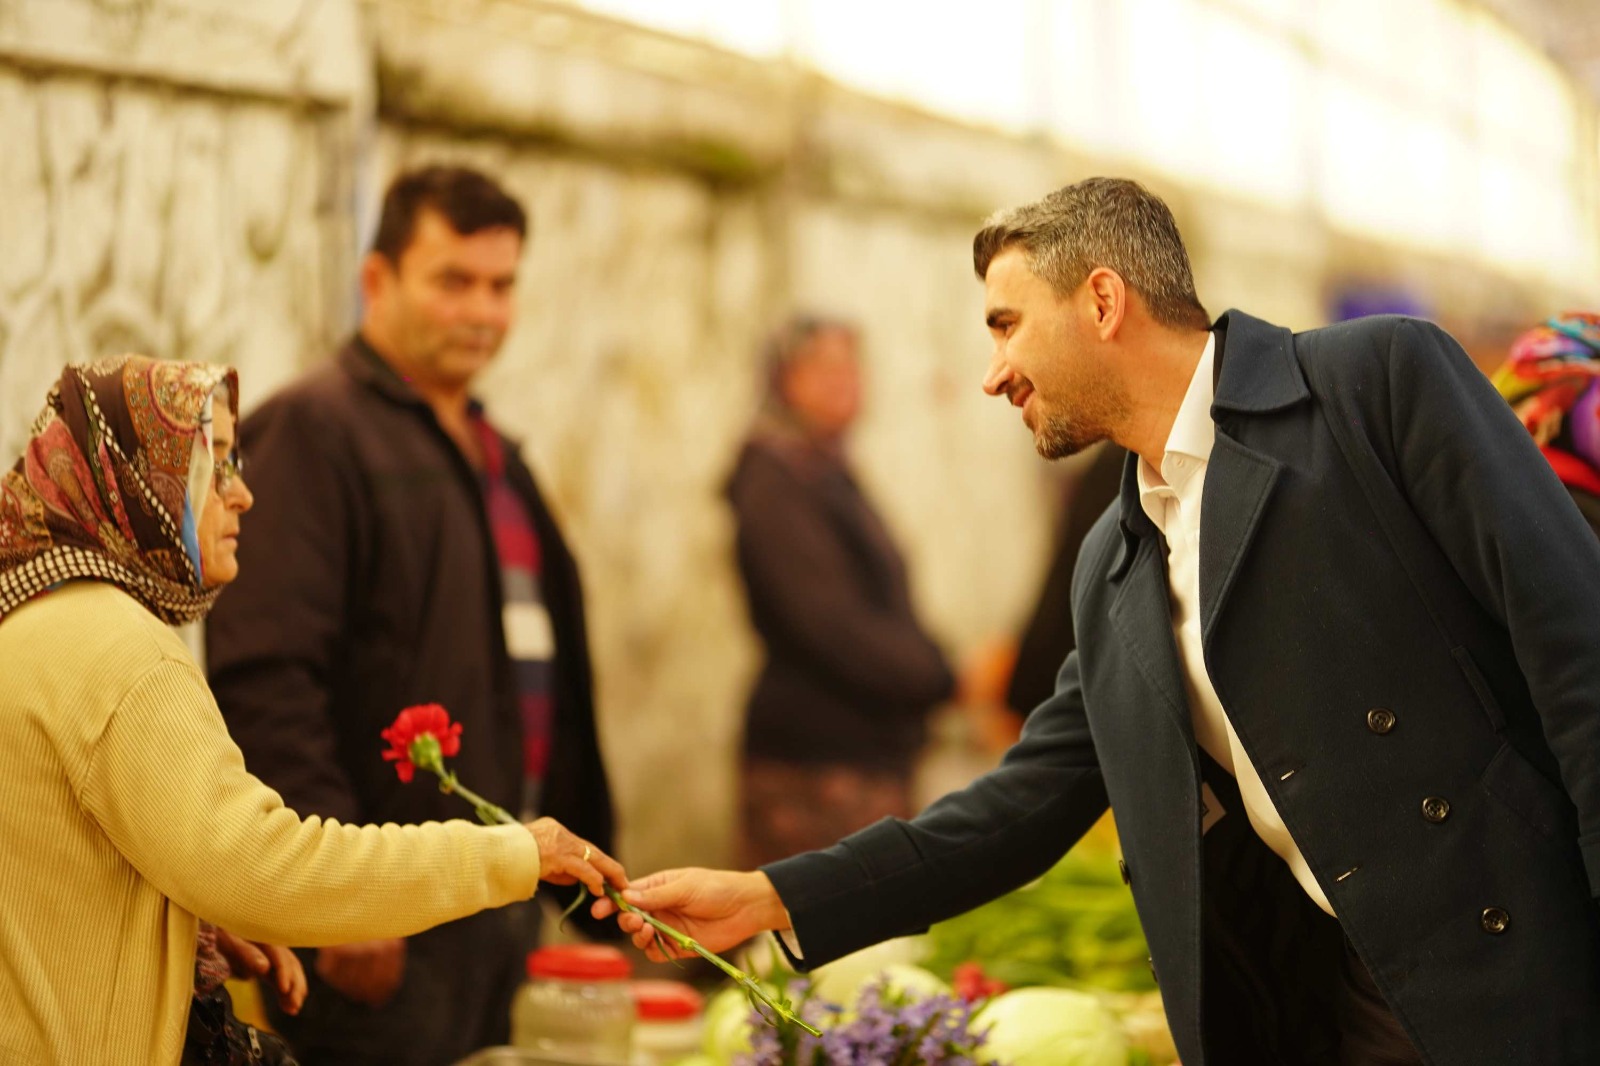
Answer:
(897, 877)
(171, 791)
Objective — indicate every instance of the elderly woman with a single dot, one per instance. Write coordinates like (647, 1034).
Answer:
(838, 713)
(126, 813)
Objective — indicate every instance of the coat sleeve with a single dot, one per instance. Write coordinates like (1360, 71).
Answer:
(170, 789)
(896, 878)
(1492, 503)
(273, 639)
(796, 569)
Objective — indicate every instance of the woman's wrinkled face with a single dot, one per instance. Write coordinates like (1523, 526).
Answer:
(227, 497)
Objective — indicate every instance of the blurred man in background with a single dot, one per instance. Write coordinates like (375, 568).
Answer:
(401, 553)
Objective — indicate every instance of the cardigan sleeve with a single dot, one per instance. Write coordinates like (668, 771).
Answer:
(170, 789)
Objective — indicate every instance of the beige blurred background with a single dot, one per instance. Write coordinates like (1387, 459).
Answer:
(196, 179)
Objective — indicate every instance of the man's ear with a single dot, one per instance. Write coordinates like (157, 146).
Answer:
(1107, 297)
(377, 274)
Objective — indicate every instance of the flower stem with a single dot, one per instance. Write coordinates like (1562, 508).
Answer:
(489, 813)
(492, 814)
(688, 943)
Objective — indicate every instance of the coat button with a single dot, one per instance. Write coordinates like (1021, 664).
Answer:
(1435, 809)
(1380, 720)
(1494, 920)
(1122, 868)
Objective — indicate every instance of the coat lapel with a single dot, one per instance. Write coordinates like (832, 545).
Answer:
(1257, 375)
(1140, 609)
(1238, 488)
(1142, 616)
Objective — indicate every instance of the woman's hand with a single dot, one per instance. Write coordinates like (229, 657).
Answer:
(565, 859)
(248, 959)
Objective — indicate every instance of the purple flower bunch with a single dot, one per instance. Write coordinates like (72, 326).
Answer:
(890, 1028)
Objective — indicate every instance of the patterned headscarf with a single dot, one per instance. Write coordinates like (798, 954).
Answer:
(106, 487)
(1552, 380)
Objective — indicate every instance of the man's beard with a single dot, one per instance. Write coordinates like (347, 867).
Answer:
(1060, 435)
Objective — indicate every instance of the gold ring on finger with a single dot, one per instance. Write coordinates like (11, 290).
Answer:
(587, 850)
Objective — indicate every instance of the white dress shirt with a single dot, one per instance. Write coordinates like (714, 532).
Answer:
(1171, 497)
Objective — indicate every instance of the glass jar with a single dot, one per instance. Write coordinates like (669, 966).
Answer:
(668, 1026)
(576, 1005)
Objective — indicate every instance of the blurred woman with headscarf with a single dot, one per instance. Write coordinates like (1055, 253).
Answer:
(127, 816)
(837, 715)
(1552, 381)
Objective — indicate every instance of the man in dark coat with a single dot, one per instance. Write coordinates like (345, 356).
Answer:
(401, 553)
(1348, 718)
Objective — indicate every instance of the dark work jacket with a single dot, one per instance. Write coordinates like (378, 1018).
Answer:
(850, 675)
(369, 582)
(1399, 604)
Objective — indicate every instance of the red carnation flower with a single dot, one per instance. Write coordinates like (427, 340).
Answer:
(972, 984)
(421, 736)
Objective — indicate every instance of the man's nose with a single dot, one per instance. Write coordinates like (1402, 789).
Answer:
(999, 375)
(489, 308)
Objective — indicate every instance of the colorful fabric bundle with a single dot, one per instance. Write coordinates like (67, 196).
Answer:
(1552, 381)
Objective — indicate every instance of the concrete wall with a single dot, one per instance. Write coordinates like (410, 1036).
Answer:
(191, 178)
(175, 181)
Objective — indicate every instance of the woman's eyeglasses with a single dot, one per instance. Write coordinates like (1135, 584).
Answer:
(227, 471)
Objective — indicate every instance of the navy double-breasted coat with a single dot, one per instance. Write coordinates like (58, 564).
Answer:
(1401, 615)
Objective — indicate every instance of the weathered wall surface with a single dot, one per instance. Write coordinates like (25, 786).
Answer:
(192, 178)
(174, 181)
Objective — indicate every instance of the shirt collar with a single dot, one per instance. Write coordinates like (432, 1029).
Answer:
(363, 362)
(1193, 431)
(1192, 435)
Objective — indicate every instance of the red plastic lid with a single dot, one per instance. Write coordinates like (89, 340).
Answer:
(579, 962)
(666, 1001)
